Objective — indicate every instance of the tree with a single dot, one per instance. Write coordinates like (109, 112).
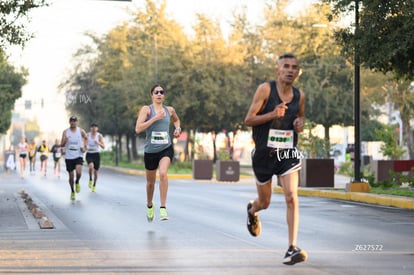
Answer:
(209, 79)
(390, 147)
(328, 89)
(116, 73)
(385, 44)
(402, 95)
(384, 37)
(11, 83)
(12, 25)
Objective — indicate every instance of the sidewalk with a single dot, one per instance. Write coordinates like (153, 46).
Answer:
(340, 182)
(11, 214)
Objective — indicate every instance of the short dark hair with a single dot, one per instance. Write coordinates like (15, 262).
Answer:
(287, 55)
(93, 124)
(73, 118)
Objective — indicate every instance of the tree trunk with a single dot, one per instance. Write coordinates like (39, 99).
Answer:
(134, 147)
(128, 140)
(407, 134)
(214, 146)
(116, 151)
(120, 147)
(327, 141)
(410, 143)
(405, 113)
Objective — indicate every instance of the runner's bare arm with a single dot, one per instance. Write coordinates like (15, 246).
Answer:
(176, 121)
(63, 140)
(85, 140)
(299, 122)
(101, 141)
(259, 101)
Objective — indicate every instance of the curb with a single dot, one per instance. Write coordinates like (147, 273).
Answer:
(385, 200)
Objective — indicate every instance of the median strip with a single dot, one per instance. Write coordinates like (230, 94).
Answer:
(43, 221)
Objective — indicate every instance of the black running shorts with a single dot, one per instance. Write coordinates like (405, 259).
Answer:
(277, 162)
(152, 160)
(72, 163)
(95, 158)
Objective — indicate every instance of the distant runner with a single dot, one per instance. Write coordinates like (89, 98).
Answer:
(93, 155)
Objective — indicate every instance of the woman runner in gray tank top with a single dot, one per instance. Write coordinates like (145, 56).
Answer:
(155, 120)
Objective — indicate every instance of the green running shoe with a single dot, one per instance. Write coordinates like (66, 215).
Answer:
(77, 187)
(150, 213)
(163, 214)
(90, 184)
(93, 188)
(72, 196)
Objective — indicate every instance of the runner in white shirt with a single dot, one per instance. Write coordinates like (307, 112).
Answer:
(74, 140)
(93, 156)
(23, 151)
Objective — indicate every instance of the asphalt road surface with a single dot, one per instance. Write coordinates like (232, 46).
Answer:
(107, 232)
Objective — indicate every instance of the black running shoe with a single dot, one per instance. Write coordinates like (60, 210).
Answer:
(253, 224)
(295, 255)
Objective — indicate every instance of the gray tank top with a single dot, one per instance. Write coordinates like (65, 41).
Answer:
(157, 135)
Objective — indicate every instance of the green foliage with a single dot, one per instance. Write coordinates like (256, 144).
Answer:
(209, 79)
(329, 92)
(12, 21)
(393, 191)
(347, 169)
(223, 155)
(384, 36)
(311, 144)
(181, 167)
(388, 186)
(11, 83)
(390, 148)
(368, 176)
(400, 178)
(369, 129)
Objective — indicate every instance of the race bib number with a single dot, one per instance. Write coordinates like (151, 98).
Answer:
(281, 139)
(93, 148)
(58, 154)
(159, 138)
(73, 147)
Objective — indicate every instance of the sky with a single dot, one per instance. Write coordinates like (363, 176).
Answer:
(59, 31)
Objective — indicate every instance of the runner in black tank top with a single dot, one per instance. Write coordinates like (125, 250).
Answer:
(260, 132)
(277, 114)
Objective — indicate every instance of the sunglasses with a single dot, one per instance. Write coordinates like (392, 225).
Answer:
(160, 92)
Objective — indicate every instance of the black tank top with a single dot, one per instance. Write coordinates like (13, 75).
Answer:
(260, 132)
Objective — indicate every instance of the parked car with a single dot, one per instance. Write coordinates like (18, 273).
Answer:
(335, 150)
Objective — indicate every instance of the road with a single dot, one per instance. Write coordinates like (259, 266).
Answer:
(107, 233)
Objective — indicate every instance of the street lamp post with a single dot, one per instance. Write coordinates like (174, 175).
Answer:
(357, 185)
(357, 131)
